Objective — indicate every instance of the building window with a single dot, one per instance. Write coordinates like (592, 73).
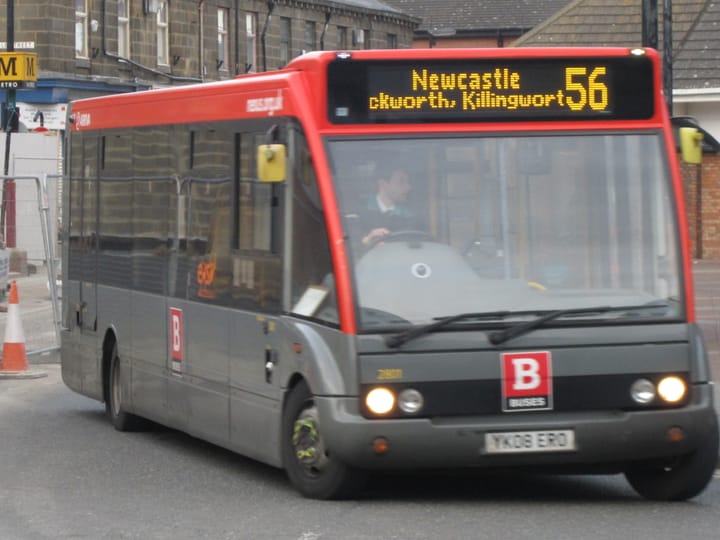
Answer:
(163, 37)
(309, 36)
(392, 42)
(285, 40)
(124, 28)
(223, 59)
(342, 38)
(250, 42)
(360, 39)
(81, 29)
(366, 39)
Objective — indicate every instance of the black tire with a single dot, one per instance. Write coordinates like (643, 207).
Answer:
(316, 474)
(683, 478)
(122, 420)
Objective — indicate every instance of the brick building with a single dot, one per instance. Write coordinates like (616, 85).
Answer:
(91, 47)
(87, 48)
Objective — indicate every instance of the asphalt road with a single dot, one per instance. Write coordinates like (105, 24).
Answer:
(65, 473)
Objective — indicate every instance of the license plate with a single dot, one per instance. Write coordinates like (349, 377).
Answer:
(516, 442)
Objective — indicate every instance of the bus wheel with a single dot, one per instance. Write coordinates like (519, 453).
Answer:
(681, 479)
(309, 465)
(123, 421)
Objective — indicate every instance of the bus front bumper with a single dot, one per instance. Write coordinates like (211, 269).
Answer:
(601, 439)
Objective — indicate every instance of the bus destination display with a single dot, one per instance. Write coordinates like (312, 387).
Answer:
(495, 90)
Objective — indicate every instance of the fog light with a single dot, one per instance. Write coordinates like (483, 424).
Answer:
(410, 401)
(672, 389)
(380, 446)
(675, 434)
(380, 400)
(642, 391)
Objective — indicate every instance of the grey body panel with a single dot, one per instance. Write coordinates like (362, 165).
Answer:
(80, 351)
(607, 438)
(224, 392)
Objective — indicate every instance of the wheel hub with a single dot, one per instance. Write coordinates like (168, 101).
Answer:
(307, 443)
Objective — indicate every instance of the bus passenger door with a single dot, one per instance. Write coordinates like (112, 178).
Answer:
(82, 365)
(255, 285)
(87, 309)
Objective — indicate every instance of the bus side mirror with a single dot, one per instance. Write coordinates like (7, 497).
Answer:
(271, 162)
(691, 145)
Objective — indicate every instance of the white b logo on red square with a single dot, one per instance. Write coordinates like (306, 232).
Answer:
(526, 381)
(176, 339)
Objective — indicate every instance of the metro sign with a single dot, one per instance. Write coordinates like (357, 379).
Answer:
(17, 67)
(526, 381)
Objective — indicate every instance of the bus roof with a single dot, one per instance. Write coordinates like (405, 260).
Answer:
(300, 88)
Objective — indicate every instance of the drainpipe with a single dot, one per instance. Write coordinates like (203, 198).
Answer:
(237, 37)
(325, 27)
(271, 7)
(668, 54)
(7, 211)
(201, 39)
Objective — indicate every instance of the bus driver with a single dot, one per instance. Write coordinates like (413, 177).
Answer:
(385, 210)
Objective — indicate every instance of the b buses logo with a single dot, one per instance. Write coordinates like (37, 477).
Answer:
(176, 339)
(526, 381)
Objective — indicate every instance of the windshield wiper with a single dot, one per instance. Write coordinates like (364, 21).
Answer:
(417, 331)
(501, 336)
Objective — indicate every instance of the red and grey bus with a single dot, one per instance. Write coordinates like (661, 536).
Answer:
(532, 309)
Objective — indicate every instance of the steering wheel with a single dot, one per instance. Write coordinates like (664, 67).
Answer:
(406, 235)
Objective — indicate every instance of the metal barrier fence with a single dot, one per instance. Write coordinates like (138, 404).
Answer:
(49, 238)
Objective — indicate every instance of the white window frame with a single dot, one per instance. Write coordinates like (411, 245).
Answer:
(310, 36)
(81, 29)
(163, 34)
(342, 38)
(392, 41)
(223, 28)
(251, 42)
(123, 23)
(285, 40)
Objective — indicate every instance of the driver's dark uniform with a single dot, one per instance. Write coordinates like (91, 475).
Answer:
(370, 217)
(398, 218)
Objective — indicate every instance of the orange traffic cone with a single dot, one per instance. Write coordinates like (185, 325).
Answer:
(13, 363)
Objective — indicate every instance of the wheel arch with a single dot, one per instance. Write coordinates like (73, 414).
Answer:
(109, 342)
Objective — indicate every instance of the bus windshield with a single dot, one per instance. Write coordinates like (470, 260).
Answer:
(444, 225)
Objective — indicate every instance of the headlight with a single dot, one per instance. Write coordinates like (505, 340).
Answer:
(642, 391)
(410, 401)
(380, 401)
(672, 389)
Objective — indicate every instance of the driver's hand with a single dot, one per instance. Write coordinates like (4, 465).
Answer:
(374, 236)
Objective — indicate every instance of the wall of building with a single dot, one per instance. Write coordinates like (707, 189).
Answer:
(463, 42)
(709, 210)
(50, 25)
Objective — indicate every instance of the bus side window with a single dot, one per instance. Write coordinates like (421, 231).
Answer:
(256, 260)
(152, 188)
(210, 207)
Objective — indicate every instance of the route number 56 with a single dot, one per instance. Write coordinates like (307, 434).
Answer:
(585, 89)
